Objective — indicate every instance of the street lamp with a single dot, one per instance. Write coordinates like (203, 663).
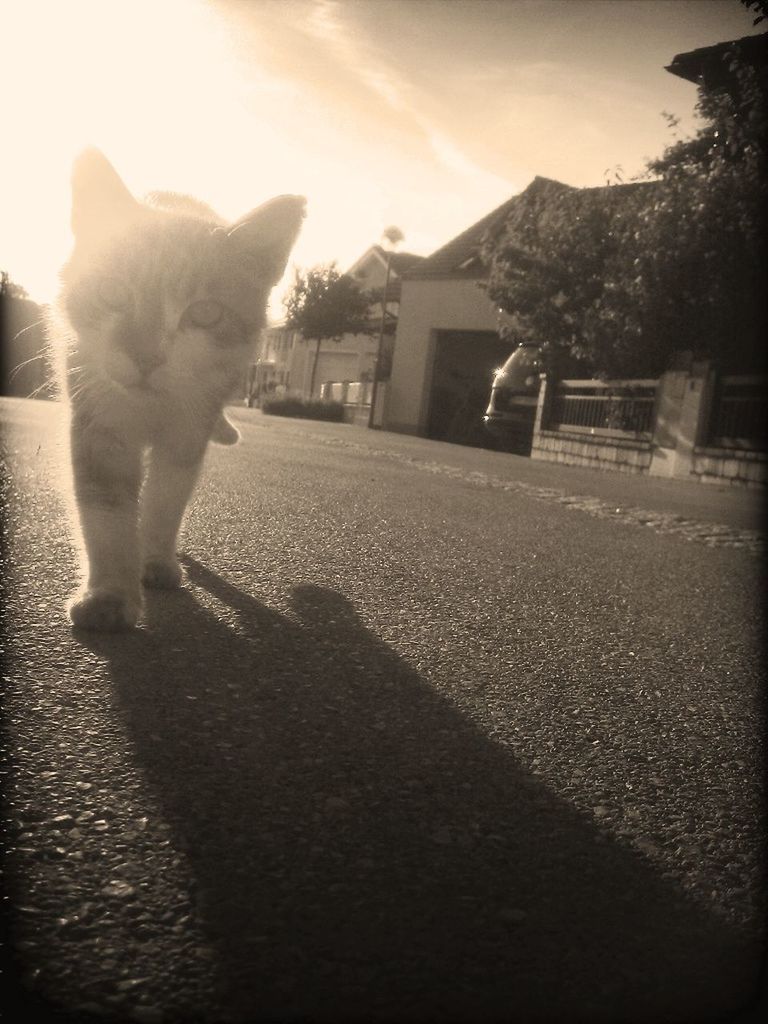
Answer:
(393, 235)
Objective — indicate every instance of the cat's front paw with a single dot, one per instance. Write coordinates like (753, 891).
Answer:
(104, 611)
(162, 575)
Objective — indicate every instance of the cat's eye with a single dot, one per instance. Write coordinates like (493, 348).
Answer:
(114, 293)
(205, 313)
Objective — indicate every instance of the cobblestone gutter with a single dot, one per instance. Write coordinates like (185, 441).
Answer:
(712, 534)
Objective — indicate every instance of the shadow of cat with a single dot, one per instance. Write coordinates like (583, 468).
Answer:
(363, 851)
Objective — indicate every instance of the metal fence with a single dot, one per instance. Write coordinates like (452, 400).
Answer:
(613, 408)
(738, 413)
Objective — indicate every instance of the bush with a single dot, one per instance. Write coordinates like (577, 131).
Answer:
(308, 409)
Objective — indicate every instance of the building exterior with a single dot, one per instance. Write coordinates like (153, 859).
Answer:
(448, 343)
(285, 358)
(709, 65)
(693, 423)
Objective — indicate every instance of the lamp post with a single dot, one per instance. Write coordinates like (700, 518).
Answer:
(393, 235)
(380, 347)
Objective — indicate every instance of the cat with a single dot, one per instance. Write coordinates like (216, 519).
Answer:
(154, 326)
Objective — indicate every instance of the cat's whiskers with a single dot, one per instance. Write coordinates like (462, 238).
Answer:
(27, 362)
(79, 384)
(29, 327)
(50, 382)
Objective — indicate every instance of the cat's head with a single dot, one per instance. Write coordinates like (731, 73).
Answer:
(163, 297)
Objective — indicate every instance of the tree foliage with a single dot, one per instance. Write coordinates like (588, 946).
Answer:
(324, 305)
(25, 370)
(549, 267)
(758, 6)
(393, 234)
(623, 277)
(9, 289)
(696, 277)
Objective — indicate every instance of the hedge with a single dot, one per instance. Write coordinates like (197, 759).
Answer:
(309, 409)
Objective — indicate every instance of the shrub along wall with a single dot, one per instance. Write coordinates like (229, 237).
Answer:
(303, 408)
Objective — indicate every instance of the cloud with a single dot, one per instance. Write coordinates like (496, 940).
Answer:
(455, 160)
(358, 55)
(353, 53)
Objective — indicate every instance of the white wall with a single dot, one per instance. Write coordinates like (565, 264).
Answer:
(347, 359)
(425, 307)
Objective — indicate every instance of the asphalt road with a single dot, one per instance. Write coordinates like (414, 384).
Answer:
(430, 734)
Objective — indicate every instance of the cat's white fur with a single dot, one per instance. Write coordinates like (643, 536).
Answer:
(154, 326)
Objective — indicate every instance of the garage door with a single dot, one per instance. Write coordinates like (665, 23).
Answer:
(461, 384)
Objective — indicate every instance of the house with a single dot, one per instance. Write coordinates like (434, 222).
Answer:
(448, 342)
(271, 370)
(375, 270)
(709, 67)
(285, 358)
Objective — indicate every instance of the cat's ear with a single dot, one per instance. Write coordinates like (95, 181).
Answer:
(100, 200)
(269, 232)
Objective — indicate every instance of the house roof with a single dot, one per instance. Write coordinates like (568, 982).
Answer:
(399, 261)
(460, 258)
(705, 66)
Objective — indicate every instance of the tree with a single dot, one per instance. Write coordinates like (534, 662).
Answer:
(9, 289)
(325, 305)
(393, 235)
(693, 269)
(25, 370)
(761, 6)
(677, 262)
(549, 266)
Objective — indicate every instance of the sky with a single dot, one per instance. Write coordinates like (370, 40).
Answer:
(425, 114)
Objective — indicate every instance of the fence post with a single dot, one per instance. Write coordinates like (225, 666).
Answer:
(682, 408)
(380, 397)
(670, 393)
(542, 407)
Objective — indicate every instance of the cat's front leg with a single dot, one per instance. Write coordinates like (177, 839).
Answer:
(170, 481)
(107, 479)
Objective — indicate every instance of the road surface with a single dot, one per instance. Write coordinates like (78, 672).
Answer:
(430, 734)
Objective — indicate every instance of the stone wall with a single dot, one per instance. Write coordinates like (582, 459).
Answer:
(615, 454)
(735, 467)
(677, 445)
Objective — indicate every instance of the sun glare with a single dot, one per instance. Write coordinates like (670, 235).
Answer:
(232, 104)
(235, 101)
(128, 78)
(159, 88)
